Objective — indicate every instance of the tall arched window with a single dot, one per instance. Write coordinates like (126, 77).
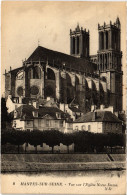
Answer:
(102, 40)
(106, 61)
(73, 45)
(49, 91)
(76, 80)
(77, 45)
(50, 74)
(36, 72)
(30, 73)
(100, 62)
(102, 100)
(115, 40)
(68, 79)
(20, 75)
(94, 86)
(106, 39)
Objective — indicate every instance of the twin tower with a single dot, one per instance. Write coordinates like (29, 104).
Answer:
(109, 51)
(107, 59)
(79, 42)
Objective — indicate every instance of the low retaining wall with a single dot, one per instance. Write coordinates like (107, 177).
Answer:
(56, 162)
(40, 167)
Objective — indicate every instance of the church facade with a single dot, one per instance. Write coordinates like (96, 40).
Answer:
(86, 80)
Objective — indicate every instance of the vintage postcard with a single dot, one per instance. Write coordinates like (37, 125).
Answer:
(63, 97)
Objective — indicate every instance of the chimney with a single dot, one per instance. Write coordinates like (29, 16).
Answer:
(30, 103)
(20, 100)
(35, 114)
(94, 116)
(93, 108)
(48, 98)
(102, 107)
(116, 113)
(15, 114)
(35, 104)
(10, 96)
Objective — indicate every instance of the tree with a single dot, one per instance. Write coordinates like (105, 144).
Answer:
(35, 138)
(82, 141)
(120, 140)
(3, 137)
(123, 141)
(99, 141)
(67, 140)
(4, 114)
(16, 137)
(92, 141)
(88, 136)
(112, 140)
(27, 135)
(52, 138)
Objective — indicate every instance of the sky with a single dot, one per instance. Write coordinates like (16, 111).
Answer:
(27, 24)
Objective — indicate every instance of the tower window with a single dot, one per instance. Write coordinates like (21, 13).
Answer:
(77, 45)
(115, 41)
(106, 39)
(73, 45)
(102, 40)
(86, 51)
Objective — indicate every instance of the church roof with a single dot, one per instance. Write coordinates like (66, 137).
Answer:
(100, 116)
(60, 59)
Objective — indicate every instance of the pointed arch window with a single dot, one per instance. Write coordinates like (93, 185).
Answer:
(50, 74)
(36, 72)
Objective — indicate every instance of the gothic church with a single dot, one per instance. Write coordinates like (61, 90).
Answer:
(78, 77)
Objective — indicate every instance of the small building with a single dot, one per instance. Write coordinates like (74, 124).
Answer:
(28, 117)
(13, 102)
(23, 117)
(98, 122)
(72, 110)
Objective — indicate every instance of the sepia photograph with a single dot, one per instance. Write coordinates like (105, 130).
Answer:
(63, 97)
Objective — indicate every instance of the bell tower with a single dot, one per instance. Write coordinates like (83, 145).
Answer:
(79, 42)
(109, 61)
